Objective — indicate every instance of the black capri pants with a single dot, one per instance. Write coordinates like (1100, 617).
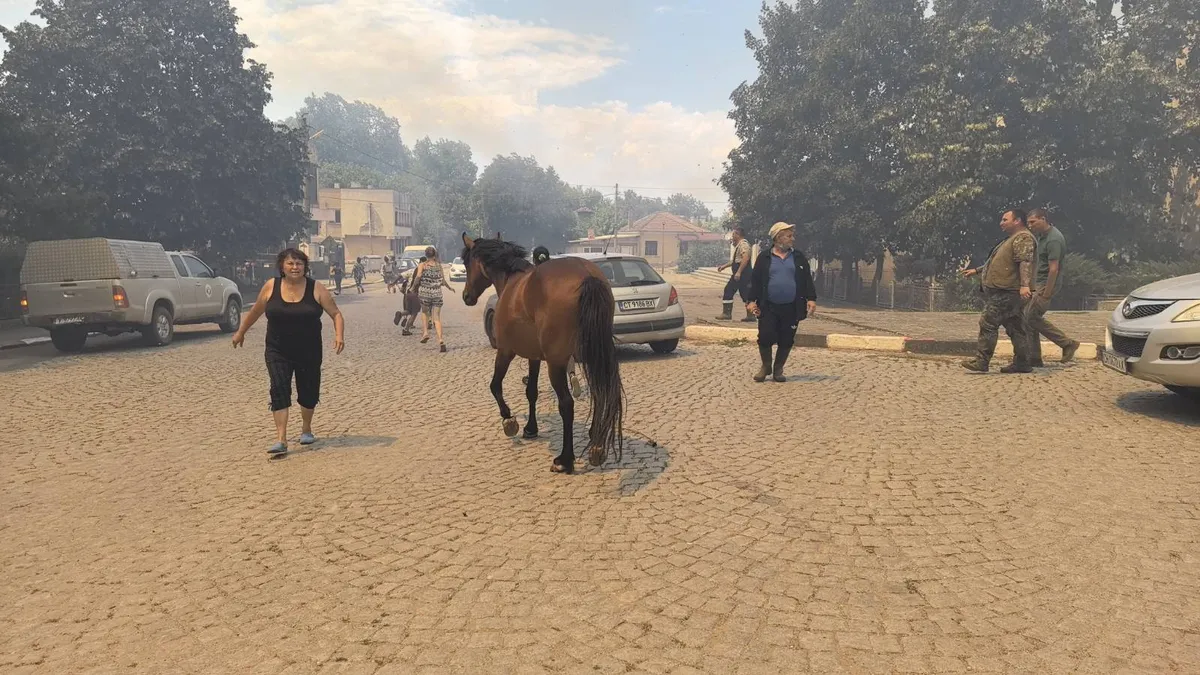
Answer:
(307, 373)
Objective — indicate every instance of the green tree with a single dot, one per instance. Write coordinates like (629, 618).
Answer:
(1035, 103)
(525, 202)
(689, 207)
(146, 122)
(354, 133)
(452, 173)
(817, 125)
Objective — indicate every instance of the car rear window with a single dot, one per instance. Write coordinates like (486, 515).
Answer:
(626, 273)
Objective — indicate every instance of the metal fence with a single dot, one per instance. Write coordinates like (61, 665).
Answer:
(923, 296)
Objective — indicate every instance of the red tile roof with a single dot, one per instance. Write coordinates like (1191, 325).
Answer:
(663, 222)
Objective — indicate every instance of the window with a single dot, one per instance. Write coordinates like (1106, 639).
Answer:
(179, 266)
(652, 248)
(197, 269)
(337, 215)
(683, 245)
(626, 273)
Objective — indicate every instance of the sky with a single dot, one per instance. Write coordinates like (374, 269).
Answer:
(615, 91)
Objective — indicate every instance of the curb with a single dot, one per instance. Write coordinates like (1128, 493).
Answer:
(27, 342)
(1088, 351)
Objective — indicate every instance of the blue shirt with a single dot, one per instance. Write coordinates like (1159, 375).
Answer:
(781, 279)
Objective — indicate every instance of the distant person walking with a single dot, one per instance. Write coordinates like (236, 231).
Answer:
(293, 303)
(781, 295)
(338, 273)
(430, 279)
(1007, 281)
(1051, 249)
(739, 279)
(359, 272)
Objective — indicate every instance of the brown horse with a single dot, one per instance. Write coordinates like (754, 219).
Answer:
(558, 311)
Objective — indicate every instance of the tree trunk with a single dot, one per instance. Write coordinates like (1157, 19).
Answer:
(879, 258)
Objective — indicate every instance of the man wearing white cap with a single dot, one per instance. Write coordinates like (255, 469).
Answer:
(781, 295)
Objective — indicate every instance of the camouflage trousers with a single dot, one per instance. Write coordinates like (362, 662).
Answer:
(1007, 309)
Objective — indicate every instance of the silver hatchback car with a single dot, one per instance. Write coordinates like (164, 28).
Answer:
(1154, 335)
(648, 309)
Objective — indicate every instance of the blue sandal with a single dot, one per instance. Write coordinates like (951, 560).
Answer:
(307, 438)
(279, 448)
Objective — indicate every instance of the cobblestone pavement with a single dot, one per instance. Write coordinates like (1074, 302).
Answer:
(873, 514)
(703, 305)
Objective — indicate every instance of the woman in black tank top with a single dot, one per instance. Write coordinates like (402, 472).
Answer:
(293, 303)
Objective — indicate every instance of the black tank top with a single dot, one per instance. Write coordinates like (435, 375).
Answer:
(294, 328)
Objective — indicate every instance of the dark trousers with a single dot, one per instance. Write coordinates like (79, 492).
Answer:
(337, 282)
(736, 286)
(777, 325)
(281, 370)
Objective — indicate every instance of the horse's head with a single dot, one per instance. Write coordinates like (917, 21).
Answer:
(477, 278)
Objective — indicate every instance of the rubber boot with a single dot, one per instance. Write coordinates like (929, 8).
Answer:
(781, 357)
(726, 312)
(764, 352)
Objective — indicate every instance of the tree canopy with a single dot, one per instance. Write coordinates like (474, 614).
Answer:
(877, 126)
(142, 119)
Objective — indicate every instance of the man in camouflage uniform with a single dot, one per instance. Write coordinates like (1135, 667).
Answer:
(1007, 280)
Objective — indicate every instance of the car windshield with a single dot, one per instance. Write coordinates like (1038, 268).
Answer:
(457, 261)
(627, 273)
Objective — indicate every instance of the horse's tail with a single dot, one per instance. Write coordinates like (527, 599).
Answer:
(598, 356)
(540, 255)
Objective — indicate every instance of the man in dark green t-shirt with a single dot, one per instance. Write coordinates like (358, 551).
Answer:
(1051, 249)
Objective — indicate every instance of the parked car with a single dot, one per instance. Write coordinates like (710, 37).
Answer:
(1154, 335)
(76, 287)
(458, 271)
(648, 309)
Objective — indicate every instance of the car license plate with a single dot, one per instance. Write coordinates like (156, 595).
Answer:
(64, 320)
(1115, 361)
(627, 305)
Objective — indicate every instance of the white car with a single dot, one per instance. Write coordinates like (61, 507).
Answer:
(458, 271)
(648, 309)
(1154, 335)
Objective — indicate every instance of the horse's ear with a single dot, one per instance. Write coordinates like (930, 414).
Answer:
(468, 241)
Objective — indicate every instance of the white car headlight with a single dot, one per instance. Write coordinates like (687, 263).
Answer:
(1190, 314)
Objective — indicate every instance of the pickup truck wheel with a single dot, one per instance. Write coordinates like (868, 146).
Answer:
(69, 340)
(162, 327)
(232, 319)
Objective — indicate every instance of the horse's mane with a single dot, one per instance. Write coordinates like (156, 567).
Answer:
(493, 254)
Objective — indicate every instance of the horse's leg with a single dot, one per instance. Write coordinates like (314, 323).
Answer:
(565, 462)
(531, 395)
(503, 361)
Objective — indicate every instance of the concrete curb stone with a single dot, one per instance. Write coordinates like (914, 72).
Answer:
(1088, 351)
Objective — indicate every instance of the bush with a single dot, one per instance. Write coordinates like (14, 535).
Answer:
(703, 255)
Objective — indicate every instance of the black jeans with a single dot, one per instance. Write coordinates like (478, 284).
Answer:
(736, 286)
(777, 325)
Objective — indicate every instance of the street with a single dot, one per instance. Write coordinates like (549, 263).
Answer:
(876, 513)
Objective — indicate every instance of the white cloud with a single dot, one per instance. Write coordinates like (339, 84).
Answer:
(478, 79)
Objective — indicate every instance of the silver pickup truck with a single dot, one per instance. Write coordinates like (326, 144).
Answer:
(76, 287)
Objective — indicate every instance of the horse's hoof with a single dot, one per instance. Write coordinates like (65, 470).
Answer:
(529, 435)
(511, 427)
(556, 467)
(596, 456)
(525, 380)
